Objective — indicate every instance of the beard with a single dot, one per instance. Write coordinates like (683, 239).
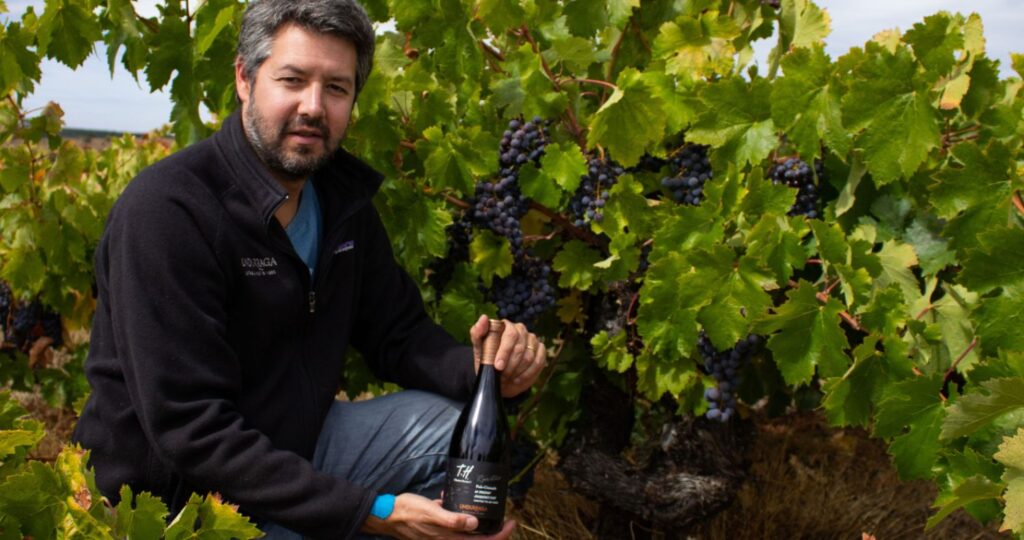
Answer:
(269, 143)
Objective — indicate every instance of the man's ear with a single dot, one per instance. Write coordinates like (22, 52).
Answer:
(242, 86)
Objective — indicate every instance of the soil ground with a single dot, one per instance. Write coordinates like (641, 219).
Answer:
(806, 481)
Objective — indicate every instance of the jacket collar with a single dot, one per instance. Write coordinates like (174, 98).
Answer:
(343, 186)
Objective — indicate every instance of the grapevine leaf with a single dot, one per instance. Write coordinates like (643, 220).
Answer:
(934, 42)
(897, 260)
(564, 164)
(973, 489)
(656, 377)
(697, 46)
(491, 254)
(1017, 61)
(665, 319)
(681, 105)
(575, 265)
(911, 413)
(33, 495)
(765, 198)
(983, 175)
(1011, 451)
(574, 52)
(802, 24)
(446, 165)
(13, 176)
(222, 521)
(539, 186)
(849, 399)
(499, 15)
(731, 290)
(886, 312)
(619, 11)
(67, 31)
(416, 225)
(170, 48)
(182, 527)
(460, 57)
(140, 516)
(1000, 319)
(808, 335)
(736, 121)
(932, 250)
(899, 125)
(627, 210)
(630, 121)
(585, 17)
(18, 64)
(976, 409)
(209, 27)
(461, 301)
(997, 263)
(832, 244)
(806, 103)
(778, 245)
(1014, 510)
(610, 351)
(11, 440)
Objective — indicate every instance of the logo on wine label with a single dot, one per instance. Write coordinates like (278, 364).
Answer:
(462, 472)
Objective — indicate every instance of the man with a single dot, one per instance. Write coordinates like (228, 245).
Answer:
(233, 276)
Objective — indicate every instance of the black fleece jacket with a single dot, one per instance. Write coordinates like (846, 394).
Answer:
(214, 359)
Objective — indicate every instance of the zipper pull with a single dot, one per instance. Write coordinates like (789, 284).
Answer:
(312, 301)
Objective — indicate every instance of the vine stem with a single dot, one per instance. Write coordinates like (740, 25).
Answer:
(535, 398)
(1017, 202)
(605, 84)
(586, 236)
(952, 368)
(845, 315)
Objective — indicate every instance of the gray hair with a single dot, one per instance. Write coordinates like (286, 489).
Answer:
(342, 18)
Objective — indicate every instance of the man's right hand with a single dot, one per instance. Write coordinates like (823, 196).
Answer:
(416, 517)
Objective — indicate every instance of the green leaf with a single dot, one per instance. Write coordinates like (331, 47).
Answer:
(1011, 454)
(900, 127)
(897, 260)
(33, 496)
(806, 103)
(170, 48)
(778, 244)
(983, 175)
(141, 516)
(182, 527)
(18, 64)
(1014, 510)
(575, 265)
(657, 377)
(802, 24)
(67, 31)
(806, 334)
(564, 164)
(619, 11)
(491, 255)
(222, 521)
(697, 46)
(666, 318)
(416, 225)
(976, 409)
(911, 413)
(540, 187)
(1000, 319)
(729, 292)
(585, 17)
(1017, 61)
(11, 440)
(574, 52)
(500, 15)
(448, 161)
(630, 121)
(849, 399)
(973, 489)
(932, 250)
(209, 26)
(997, 263)
(736, 121)
(610, 351)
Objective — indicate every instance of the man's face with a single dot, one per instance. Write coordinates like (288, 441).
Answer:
(297, 108)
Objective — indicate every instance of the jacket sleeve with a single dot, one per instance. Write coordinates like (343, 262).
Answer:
(397, 338)
(168, 294)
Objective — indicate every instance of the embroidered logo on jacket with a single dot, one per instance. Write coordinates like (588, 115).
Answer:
(259, 266)
(347, 245)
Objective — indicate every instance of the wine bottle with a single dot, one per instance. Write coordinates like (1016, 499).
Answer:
(477, 480)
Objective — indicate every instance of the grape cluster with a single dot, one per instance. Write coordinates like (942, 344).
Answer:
(460, 234)
(648, 163)
(22, 323)
(525, 293)
(6, 303)
(499, 205)
(522, 464)
(725, 367)
(691, 169)
(774, 4)
(796, 173)
(587, 204)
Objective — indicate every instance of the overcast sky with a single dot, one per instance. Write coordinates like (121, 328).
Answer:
(92, 99)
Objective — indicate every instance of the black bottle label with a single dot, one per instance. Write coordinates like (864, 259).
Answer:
(478, 488)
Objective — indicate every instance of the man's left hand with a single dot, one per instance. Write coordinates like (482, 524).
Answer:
(521, 355)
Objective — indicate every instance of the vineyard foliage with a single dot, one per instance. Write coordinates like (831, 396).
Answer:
(897, 307)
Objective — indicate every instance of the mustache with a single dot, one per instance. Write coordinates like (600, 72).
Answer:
(306, 123)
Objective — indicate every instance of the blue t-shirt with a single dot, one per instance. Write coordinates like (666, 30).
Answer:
(304, 229)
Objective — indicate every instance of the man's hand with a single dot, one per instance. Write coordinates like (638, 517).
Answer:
(521, 356)
(416, 517)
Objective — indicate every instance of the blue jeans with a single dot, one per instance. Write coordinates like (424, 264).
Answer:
(396, 443)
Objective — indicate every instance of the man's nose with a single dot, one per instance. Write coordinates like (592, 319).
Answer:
(312, 101)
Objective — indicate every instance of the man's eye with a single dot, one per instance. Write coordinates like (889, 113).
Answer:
(338, 89)
(290, 80)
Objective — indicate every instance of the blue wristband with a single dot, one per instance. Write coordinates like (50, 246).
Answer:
(383, 505)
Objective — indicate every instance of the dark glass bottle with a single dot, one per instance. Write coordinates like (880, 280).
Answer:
(477, 480)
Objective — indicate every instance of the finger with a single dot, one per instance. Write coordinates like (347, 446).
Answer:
(534, 369)
(477, 333)
(529, 357)
(510, 339)
(519, 356)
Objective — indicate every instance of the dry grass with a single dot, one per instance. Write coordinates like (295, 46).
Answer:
(807, 481)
